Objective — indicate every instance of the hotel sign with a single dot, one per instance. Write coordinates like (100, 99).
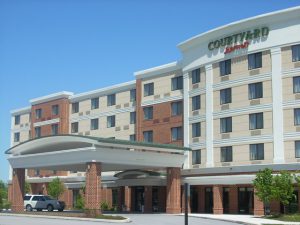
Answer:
(239, 40)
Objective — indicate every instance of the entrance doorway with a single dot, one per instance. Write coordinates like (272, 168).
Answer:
(75, 197)
(194, 199)
(245, 200)
(208, 200)
(226, 200)
(139, 194)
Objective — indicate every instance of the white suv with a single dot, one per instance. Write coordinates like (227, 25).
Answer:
(40, 202)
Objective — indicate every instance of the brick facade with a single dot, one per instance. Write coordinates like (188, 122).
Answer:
(258, 206)
(93, 188)
(173, 190)
(218, 199)
(233, 199)
(18, 185)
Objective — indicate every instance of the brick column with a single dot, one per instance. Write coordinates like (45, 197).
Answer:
(9, 192)
(173, 190)
(258, 206)
(93, 189)
(148, 199)
(218, 199)
(233, 200)
(275, 207)
(18, 185)
(127, 198)
(201, 199)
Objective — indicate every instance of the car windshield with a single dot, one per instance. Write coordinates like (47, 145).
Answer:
(48, 198)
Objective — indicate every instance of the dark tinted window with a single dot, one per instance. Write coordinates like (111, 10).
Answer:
(27, 197)
(36, 198)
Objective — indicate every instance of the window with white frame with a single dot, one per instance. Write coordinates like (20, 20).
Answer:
(111, 100)
(256, 151)
(196, 102)
(94, 124)
(225, 96)
(296, 53)
(176, 133)
(111, 121)
(196, 129)
(254, 60)
(296, 84)
(225, 67)
(75, 107)
(196, 157)
(255, 90)
(177, 83)
(256, 121)
(94, 103)
(176, 108)
(226, 154)
(17, 119)
(196, 77)
(148, 89)
(226, 125)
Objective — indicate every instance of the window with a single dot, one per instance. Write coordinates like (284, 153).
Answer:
(54, 129)
(226, 154)
(297, 117)
(226, 125)
(196, 102)
(74, 127)
(296, 84)
(297, 149)
(196, 129)
(17, 137)
(132, 137)
(176, 133)
(38, 113)
(256, 121)
(111, 99)
(75, 107)
(133, 95)
(256, 151)
(94, 124)
(225, 96)
(17, 119)
(296, 53)
(37, 131)
(94, 103)
(196, 78)
(177, 83)
(148, 89)
(254, 61)
(196, 157)
(176, 108)
(225, 67)
(55, 110)
(132, 117)
(36, 173)
(148, 113)
(148, 136)
(255, 90)
(111, 121)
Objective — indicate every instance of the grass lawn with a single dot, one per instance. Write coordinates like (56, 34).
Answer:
(285, 217)
(110, 217)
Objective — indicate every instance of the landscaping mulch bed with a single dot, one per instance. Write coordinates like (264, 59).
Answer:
(62, 214)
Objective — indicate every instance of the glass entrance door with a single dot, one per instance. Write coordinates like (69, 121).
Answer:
(139, 199)
(194, 199)
(245, 199)
(208, 200)
(226, 200)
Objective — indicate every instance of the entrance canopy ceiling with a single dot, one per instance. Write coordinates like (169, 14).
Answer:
(72, 152)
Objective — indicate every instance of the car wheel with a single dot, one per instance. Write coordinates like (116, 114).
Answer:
(60, 210)
(39, 210)
(28, 208)
(50, 208)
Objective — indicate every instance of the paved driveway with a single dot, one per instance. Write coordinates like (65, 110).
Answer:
(137, 219)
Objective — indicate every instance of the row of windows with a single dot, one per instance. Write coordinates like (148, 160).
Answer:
(176, 110)
(176, 134)
(176, 84)
(256, 152)
(111, 100)
(254, 62)
(110, 122)
(54, 111)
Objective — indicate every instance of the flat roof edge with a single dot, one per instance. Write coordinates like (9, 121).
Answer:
(54, 96)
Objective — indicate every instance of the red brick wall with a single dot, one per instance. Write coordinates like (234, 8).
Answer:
(161, 123)
(173, 190)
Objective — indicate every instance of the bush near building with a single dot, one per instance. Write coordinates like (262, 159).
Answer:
(56, 188)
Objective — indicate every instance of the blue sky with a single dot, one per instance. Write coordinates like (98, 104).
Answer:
(54, 45)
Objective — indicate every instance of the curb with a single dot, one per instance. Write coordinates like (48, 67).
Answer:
(127, 220)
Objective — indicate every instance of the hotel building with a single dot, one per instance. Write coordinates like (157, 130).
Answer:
(233, 102)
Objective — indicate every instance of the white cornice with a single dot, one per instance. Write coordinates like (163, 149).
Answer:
(104, 91)
(47, 98)
(219, 31)
(155, 71)
(46, 122)
(20, 111)
(162, 100)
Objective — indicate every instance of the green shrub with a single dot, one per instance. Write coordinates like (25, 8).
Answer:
(104, 206)
(79, 202)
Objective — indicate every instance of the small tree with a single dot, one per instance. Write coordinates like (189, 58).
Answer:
(79, 202)
(56, 188)
(27, 188)
(263, 184)
(283, 189)
(3, 194)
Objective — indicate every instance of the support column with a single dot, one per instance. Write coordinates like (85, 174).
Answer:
(233, 200)
(218, 199)
(127, 199)
(120, 198)
(277, 106)
(93, 189)
(18, 186)
(148, 199)
(258, 206)
(173, 190)
(275, 207)
(209, 116)
(186, 123)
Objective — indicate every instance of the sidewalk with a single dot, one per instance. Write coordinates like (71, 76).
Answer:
(243, 219)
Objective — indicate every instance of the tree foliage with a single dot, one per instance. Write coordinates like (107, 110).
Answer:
(56, 188)
(283, 189)
(27, 188)
(263, 183)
